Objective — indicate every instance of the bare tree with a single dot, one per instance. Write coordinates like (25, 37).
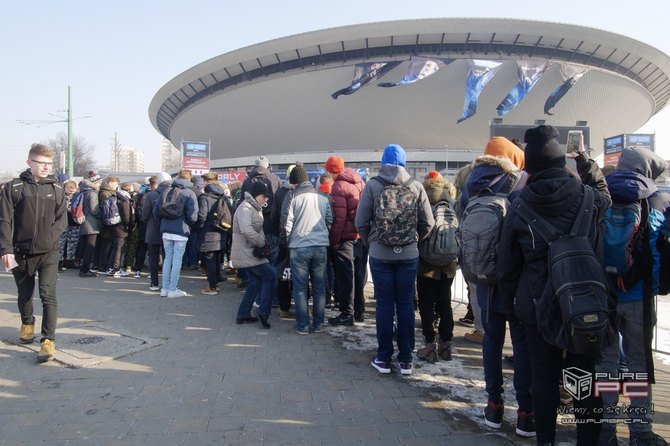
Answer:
(82, 154)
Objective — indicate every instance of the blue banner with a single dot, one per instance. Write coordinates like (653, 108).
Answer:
(481, 71)
(364, 73)
(570, 75)
(420, 68)
(529, 74)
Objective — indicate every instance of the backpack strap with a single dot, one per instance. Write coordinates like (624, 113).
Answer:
(582, 223)
(542, 227)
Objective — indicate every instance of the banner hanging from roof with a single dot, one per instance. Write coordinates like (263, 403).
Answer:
(570, 75)
(481, 71)
(364, 73)
(529, 73)
(420, 68)
(195, 157)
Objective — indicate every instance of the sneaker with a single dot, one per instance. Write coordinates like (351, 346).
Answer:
(94, 270)
(242, 320)
(284, 314)
(341, 320)
(300, 332)
(109, 272)
(47, 351)
(509, 359)
(164, 292)
(90, 273)
(27, 335)
(122, 273)
(381, 366)
(154, 287)
(175, 294)
(359, 317)
(646, 438)
(318, 329)
(525, 424)
(466, 321)
(406, 368)
(608, 435)
(474, 336)
(254, 309)
(137, 274)
(493, 414)
(209, 291)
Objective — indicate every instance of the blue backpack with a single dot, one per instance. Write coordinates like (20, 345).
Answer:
(110, 212)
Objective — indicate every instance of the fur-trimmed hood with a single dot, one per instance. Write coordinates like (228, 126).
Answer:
(488, 160)
(439, 189)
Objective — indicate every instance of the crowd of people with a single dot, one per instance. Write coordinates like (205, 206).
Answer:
(294, 241)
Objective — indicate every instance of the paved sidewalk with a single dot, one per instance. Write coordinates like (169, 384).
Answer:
(134, 368)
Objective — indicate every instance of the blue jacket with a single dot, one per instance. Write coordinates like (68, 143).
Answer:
(180, 226)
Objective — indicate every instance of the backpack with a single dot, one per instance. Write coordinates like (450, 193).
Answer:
(110, 212)
(479, 231)
(396, 214)
(626, 249)
(221, 218)
(171, 205)
(76, 208)
(573, 310)
(663, 246)
(441, 248)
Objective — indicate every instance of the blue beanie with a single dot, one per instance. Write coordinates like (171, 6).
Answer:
(394, 154)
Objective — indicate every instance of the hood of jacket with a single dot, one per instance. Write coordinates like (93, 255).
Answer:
(439, 189)
(105, 186)
(642, 161)
(550, 192)
(486, 169)
(85, 185)
(123, 195)
(260, 170)
(394, 174)
(350, 176)
(215, 189)
(627, 186)
(181, 182)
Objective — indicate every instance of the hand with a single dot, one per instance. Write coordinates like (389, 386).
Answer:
(9, 261)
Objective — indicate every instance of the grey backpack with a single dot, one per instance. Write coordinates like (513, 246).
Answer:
(479, 231)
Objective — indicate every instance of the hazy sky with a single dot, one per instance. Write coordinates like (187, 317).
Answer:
(117, 55)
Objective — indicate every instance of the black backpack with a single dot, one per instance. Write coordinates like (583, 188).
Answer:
(573, 310)
(220, 216)
(171, 205)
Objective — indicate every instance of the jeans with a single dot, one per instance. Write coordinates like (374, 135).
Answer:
(394, 292)
(213, 265)
(630, 315)
(435, 297)
(309, 264)
(261, 279)
(492, 348)
(48, 274)
(174, 251)
(547, 365)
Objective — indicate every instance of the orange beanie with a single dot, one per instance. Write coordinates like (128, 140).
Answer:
(334, 164)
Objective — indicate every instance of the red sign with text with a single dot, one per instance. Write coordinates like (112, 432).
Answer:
(232, 177)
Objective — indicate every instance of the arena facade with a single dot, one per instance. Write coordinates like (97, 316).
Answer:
(277, 98)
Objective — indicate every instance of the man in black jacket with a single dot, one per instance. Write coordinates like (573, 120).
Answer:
(32, 218)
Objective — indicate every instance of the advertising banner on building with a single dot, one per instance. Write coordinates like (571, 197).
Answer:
(613, 147)
(481, 71)
(644, 141)
(364, 73)
(529, 73)
(195, 157)
(232, 177)
(420, 68)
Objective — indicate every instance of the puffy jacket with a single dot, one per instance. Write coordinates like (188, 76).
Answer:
(344, 198)
(35, 222)
(209, 238)
(91, 208)
(153, 231)
(306, 215)
(180, 226)
(247, 233)
(438, 189)
(486, 170)
(522, 256)
(274, 183)
(365, 215)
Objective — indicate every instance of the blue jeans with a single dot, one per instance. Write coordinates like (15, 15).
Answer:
(174, 251)
(261, 279)
(190, 257)
(309, 263)
(492, 348)
(394, 292)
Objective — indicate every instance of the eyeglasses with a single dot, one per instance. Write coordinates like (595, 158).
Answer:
(42, 164)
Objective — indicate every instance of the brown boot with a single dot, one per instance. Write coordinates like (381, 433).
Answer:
(47, 351)
(27, 335)
(444, 350)
(427, 353)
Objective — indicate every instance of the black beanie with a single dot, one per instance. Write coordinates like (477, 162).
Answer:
(542, 150)
(298, 175)
(259, 188)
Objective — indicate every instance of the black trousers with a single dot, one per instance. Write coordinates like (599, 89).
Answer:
(25, 283)
(154, 253)
(88, 243)
(435, 297)
(350, 260)
(213, 265)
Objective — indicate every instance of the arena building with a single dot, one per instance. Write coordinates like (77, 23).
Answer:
(277, 98)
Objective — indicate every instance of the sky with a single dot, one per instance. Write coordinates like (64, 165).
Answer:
(115, 56)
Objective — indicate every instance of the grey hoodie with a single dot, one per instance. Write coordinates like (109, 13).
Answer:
(365, 215)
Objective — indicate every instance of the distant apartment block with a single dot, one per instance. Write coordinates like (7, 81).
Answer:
(126, 159)
(170, 156)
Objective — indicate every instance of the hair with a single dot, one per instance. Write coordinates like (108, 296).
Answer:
(185, 174)
(234, 187)
(153, 181)
(326, 177)
(112, 178)
(220, 183)
(41, 150)
(209, 176)
(72, 184)
(128, 187)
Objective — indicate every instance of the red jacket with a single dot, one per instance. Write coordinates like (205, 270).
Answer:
(344, 198)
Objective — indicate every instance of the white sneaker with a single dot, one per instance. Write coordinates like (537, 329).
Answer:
(164, 292)
(138, 274)
(155, 288)
(176, 293)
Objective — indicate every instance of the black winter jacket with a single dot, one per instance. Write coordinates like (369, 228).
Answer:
(522, 256)
(34, 223)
